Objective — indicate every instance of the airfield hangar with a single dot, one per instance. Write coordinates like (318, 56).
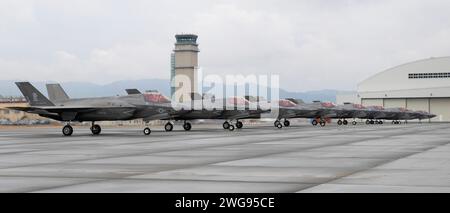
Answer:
(420, 85)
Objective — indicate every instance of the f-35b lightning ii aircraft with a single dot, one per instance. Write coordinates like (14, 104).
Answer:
(232, 110)
(62, 108)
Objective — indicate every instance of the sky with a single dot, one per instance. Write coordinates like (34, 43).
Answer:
(311, 45)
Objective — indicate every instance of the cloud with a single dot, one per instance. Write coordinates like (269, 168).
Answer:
(310, 44)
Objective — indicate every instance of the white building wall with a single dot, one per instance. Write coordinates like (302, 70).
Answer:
(394, 88)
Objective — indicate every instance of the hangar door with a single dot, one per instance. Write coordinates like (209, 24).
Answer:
(421, 104)
(372, 102)
(418, 104)
(394, 103)
(441, 108)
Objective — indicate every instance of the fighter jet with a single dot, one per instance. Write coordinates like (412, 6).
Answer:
(294, 108)
(348, 111)
(374, 114)
(399, 114)
(319, 112)
(232, 110)
(62, 108)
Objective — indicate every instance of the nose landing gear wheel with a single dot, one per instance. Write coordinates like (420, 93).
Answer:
(96, 129)
(67, 130)
(147, 131)
(226, 125)
(239, 125)
(168, 127)
(187, 126)
(287, 123)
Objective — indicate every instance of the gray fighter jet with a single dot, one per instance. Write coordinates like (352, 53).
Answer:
(295, 108)
(399, 114)
(62, 108)
(232, 110)
(348, 111)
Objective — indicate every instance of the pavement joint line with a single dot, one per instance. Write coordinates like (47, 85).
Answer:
(252, 142)
(310, 185)
(375, 166)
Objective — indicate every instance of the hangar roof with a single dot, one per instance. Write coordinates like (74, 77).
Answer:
(423, 76)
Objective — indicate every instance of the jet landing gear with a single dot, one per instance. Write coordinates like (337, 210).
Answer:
(226, 125)
(147, 130)
(286, 123)
(187, 126)
(239, 125)
(321, 122)
(168, 127)
(96, 129)
(67, 130)
(396, 122)
(344, 122)
(230, 126)
(279, 125)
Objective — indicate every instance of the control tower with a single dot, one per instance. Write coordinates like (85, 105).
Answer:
(184, 63)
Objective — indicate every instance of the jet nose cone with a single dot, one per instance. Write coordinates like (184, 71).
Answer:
(432, 115)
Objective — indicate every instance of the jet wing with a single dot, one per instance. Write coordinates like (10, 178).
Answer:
(54, 109)
(60, 109)
(163, 116)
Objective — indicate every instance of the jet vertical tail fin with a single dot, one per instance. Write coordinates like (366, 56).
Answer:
(33, 96)
(296, 100)
(56, 93)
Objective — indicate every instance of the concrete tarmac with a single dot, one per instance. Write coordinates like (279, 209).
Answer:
(376, 158)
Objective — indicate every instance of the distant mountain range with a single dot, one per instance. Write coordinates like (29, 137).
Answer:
(84, 89)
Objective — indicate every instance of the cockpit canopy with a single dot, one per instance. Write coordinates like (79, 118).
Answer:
(286, 103)
(358, 106)
(238, 101)
(328, 104)
(153, 97)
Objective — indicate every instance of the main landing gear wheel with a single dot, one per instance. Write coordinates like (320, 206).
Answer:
(314, 122)
(339, 122)
(147, 131)
(372, 122)
(226, 125)
(67, 130)
(279, 126)
(187, 126)
(96, 129)
(367, 122)
(231, 128)
(168, 127)
(345, 122)
(276, 123)
(322, 123)
(287, 123)
(354, 123)
(239, 125)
